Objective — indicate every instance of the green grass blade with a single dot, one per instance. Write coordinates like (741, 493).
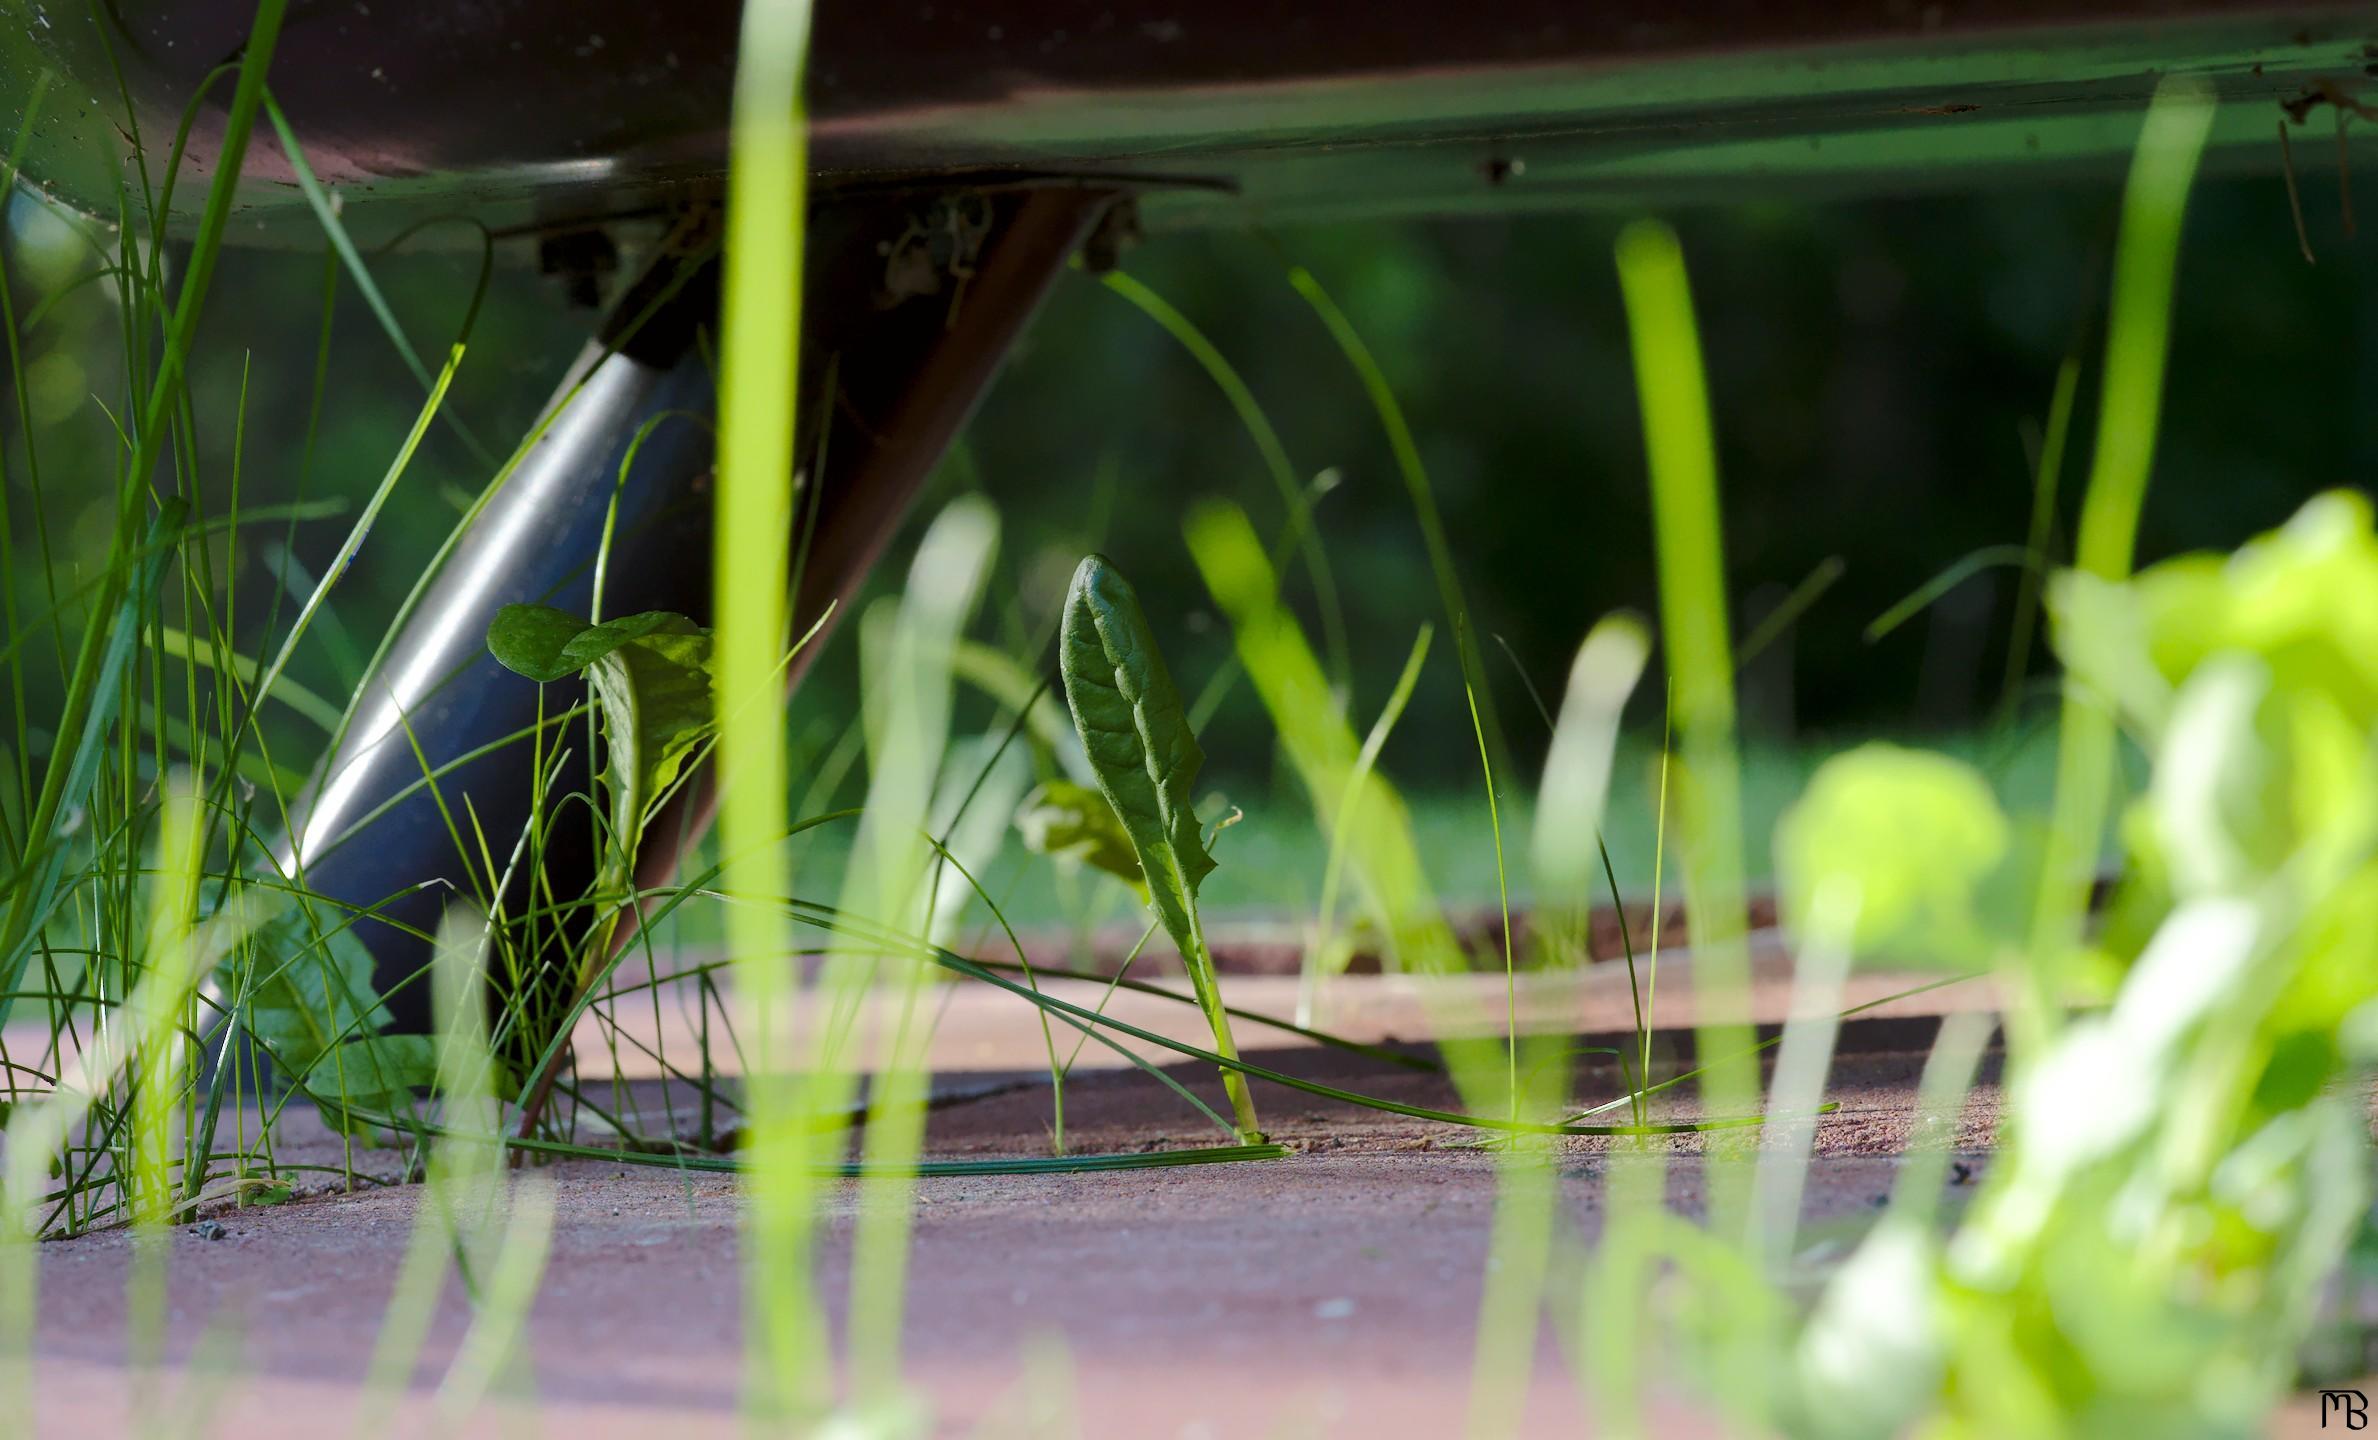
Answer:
(1416, 485)
(1954, 574)
(327, 214)
(2129, 410)
(1680, 447)
(1350, 803)
(767, 185)
(2046, 476)
(1299, 500)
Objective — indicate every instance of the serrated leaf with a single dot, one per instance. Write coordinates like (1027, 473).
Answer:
(1075, 822)
(654, 692)
(1137, 738)
(1145, 760)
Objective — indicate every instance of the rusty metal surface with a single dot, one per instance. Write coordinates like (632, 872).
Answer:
(536, 112)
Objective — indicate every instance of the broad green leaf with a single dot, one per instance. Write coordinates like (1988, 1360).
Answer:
(371, 1072)
(315, 1012)
(1137, 738)
(530, 639)
(310, 992)
(651, 679)
(1075, 822)
(654, 695)
(1911, 835)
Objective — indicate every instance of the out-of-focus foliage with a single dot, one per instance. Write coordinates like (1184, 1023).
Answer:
(1872, 367)
(1910, 836)
(2184, 1170)
(1072, 821)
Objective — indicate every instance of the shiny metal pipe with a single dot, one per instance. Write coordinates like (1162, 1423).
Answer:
(360, 837)
(907, 370)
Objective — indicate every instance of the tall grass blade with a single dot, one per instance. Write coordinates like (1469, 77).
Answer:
(892, 880)
(1416, 485)
(1299, 499)
(759, 354)
(326, 213)
(2129, 411)
(2046, 477)
(1682, 455)
(1326, 949)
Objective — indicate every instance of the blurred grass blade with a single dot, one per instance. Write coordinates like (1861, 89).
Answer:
(1327, 951)
(1416, 485)
(1954, 574)
(326, 212)
(2129, 411)
(1381, 851)
(892, 878)
(767, 185)
(2046, 475)
(1681, 451)
(1298, 498)
(1776, 622)
(210, 655)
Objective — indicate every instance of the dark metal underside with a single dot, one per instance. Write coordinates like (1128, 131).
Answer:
(545, 113)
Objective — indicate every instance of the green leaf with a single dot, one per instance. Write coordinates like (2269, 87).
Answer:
(531, 639)
(1137, 737)
(546, 644)
(309, 993)
(1145, 760)
(371, 1072)
(654, 694)
(1075, 822)
(315, 1012)
(1909, 836)
(651, 679)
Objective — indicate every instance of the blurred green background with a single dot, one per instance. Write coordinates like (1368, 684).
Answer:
(1873, 366)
